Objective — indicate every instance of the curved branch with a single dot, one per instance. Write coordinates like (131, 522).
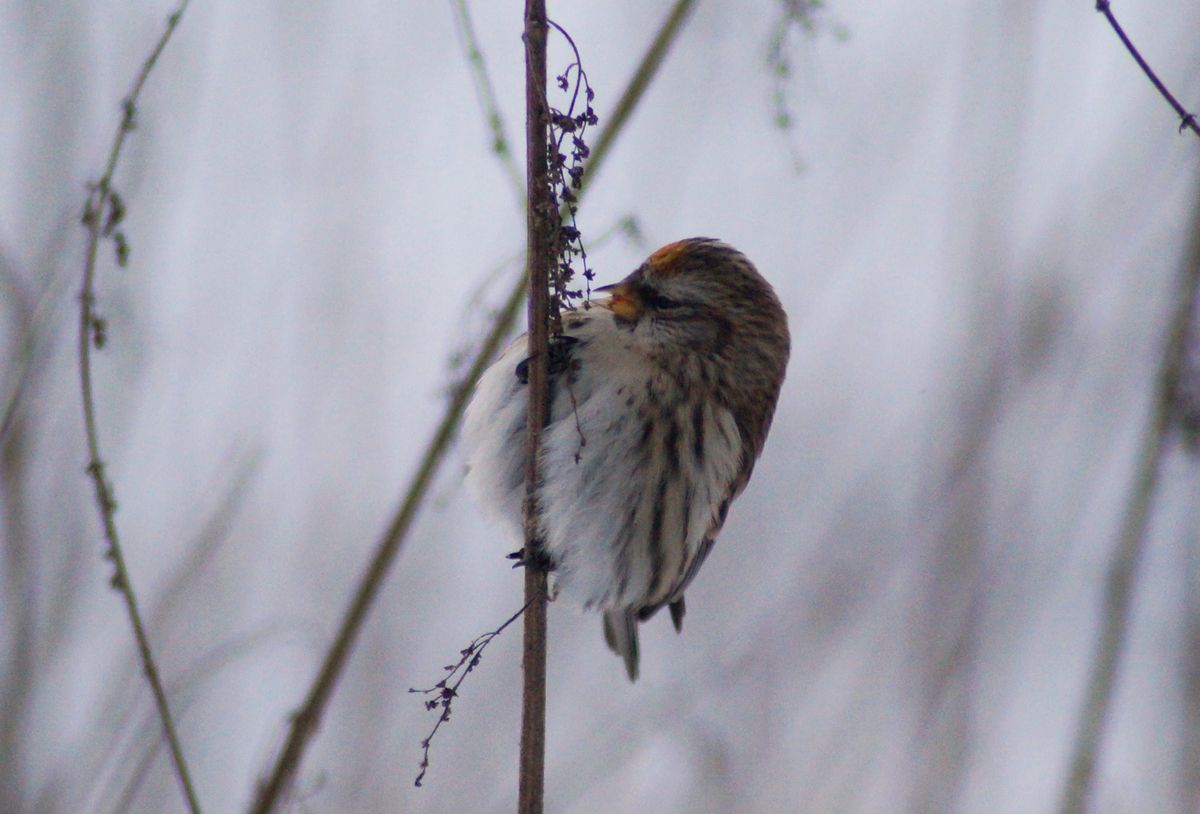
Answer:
(1187, 121)
(103, 210)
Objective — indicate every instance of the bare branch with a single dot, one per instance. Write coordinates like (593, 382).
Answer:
(646, 71)
(1123, 571)
(33, 315)
(1187, 121)
(541, 222)
(102, 215)
(487, 97)
(306, 720)
(446, 690)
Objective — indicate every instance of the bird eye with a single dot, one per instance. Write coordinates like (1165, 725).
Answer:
(658, 301)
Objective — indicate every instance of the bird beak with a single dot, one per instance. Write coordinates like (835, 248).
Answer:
(624, 301)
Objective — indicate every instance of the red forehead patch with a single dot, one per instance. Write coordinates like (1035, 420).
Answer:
(665, 259)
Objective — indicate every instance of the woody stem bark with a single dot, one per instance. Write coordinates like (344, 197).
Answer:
(541, 221)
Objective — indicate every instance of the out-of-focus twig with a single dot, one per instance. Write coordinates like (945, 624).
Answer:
(117, 762)
(126, 762)
(486, 93)
(19, 602)
(34, 324)
(1122, 575)
(646, 71)
(305, 720)
(186, 686)
(102, 213)
(1187, 121)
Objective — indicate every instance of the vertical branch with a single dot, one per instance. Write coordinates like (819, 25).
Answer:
(1122, 574)
(541, 217)
(102, 213)
(487, 97)
(306, 720)
(647, 69)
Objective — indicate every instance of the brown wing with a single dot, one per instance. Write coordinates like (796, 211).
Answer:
(736, 487)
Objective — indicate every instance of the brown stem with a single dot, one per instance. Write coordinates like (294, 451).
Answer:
(541, 219)
(305, 721)
(101, 203)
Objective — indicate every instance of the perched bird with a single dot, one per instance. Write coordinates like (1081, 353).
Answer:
(661, 398)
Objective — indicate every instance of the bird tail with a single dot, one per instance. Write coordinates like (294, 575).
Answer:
(620, 631)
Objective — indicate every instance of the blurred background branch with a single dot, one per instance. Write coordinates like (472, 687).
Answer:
(103, 212)
(485, 94)
(1122, 578)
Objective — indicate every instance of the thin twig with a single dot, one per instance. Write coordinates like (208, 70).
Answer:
(102, 211)
(486, 93)
(305, 721)
(1187, 121)
(18, 598)
(646, 71)
(446, 690)
(1122, 574)
(38, 322)
(566, 176)
(185, 687)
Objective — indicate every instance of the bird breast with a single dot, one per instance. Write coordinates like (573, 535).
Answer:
(634, 468)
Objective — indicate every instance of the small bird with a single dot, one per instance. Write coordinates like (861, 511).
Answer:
(661, 398)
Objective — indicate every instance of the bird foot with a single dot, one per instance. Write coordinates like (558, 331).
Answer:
(560, 357)
(538, 560)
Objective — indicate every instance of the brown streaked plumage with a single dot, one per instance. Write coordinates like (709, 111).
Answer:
(669, 390)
